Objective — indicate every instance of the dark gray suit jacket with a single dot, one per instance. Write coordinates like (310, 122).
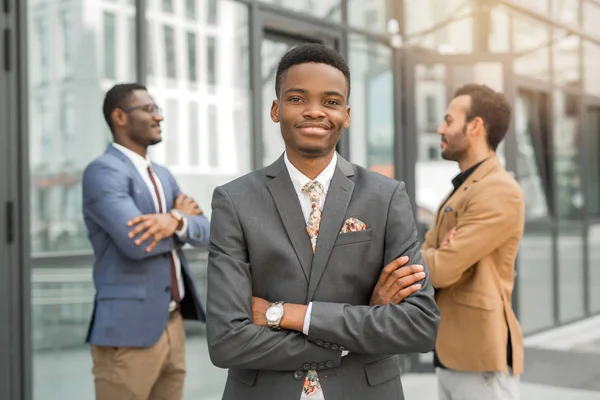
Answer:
(259, 247)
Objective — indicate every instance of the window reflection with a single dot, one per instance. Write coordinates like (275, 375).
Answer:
(206, 143)
(372, 102)
(326, 9)
(371, 14)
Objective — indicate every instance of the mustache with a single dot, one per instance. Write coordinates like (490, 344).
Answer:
(306, 124)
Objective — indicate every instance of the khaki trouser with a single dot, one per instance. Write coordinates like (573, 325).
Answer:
(457, 385)
(153, 373)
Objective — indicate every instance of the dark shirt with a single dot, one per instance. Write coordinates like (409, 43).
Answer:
(456, 182)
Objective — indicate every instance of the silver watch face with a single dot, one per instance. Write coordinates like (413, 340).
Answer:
(274, 313)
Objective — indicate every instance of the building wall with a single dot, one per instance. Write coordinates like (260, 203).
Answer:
(199, 73)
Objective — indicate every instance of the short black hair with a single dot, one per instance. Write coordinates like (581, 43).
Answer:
(117, 97)
(492, 107)
(311, 53)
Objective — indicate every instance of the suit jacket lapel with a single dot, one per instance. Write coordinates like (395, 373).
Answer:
(140, 184)
(454, 197)
(334, 211)
(287, 203)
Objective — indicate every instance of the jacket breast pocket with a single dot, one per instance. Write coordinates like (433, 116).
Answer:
(354, 237)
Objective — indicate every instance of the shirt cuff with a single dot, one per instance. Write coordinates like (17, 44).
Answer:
(307, 319)
(182, 233)
(345, 353)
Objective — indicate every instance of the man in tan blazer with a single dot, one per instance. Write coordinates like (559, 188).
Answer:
(471, 252)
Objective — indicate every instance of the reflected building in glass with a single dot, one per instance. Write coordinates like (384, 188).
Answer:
(211, 64)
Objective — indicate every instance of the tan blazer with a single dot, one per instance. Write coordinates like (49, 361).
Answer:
(474, 274)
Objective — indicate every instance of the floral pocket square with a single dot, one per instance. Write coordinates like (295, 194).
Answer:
(353, 225)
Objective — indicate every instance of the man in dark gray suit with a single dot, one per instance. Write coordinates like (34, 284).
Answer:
(300, 305)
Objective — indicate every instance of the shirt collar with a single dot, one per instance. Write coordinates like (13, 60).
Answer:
(463, 176)
(299, 179)
(138, 161)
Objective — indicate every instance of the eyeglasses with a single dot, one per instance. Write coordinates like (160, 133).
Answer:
(149, 108)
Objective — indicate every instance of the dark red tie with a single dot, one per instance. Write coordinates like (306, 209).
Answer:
(174, 283)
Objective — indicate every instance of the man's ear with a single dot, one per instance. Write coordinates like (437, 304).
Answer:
(275, 111)
(119, 117)
(347, 121)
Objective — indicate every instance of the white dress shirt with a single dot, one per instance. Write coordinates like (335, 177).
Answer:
(299, 180)
(141, 165)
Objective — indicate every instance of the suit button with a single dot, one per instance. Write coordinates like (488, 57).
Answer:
(329, 364)
(321, 365)
(197, 236)
(342, 348)
(327, 345)
(168, 289)
(298, 375)
(306, 366)
(314, 366)
(319, 343)
(334, 347)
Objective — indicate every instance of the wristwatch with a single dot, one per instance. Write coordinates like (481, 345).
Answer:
(178, 217)
(274, 314)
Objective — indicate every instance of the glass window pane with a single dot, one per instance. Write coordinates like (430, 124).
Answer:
(167, 6)
(372, 15)
(194, 134)
(212, 11)
(591, 16)
(213, 137)
(110, 47)
(372, 101)
(531, 43)
(272, 49)
(592, 144)
(170, 57)
(190, 8)
(569, 203)
(171, 132)
(102, 46)
(535, 267)
(566, 11)
(191, 57)
(566, 59)
(591, 66)
(326, 9)
(455, 37)
(211, 60)
(594, 261)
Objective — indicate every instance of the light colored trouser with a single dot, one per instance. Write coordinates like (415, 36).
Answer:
(457, 385)
(153, 373)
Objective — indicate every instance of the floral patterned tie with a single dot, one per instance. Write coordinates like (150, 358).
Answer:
(315, 190)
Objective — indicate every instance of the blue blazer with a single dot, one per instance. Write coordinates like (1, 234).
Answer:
(133, 288)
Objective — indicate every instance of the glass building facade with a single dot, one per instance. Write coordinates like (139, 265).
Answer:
(210, 64)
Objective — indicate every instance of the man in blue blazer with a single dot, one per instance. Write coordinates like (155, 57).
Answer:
(138, 220)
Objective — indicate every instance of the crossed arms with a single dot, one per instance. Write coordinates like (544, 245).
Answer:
(236, 342)
(108, 202)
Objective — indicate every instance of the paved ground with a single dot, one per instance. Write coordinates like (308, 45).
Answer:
(562, 364)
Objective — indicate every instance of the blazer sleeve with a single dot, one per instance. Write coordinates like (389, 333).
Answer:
(198, 227)
(107, 201)
(233, 340)
(492, 216)
(408, 327)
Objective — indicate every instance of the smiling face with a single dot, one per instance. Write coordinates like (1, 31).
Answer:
(312, 109)
(139, 121)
